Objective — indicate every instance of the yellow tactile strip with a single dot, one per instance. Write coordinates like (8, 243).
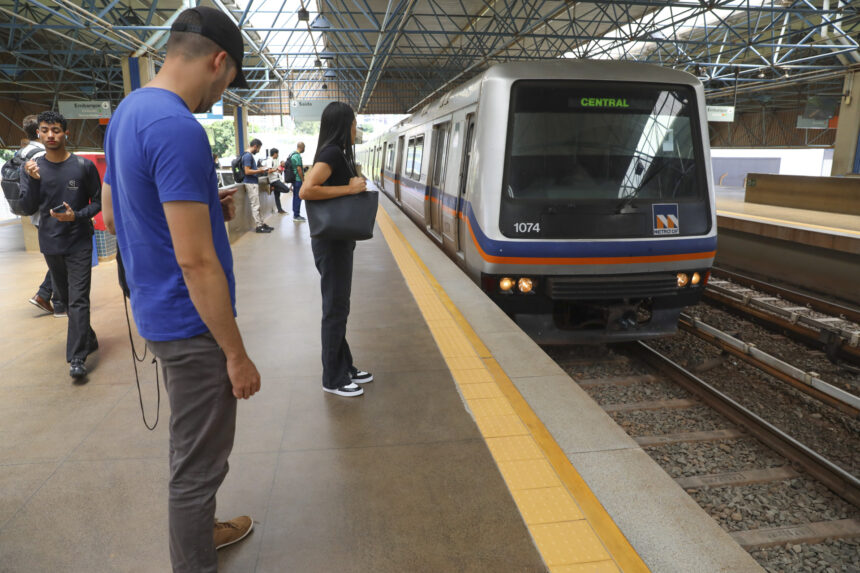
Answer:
(570, 527)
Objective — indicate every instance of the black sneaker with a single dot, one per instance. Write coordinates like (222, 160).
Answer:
(60, 311)
(299, 219)
(77, 370)
(268, 227)
(262, 229)
(360, 376)
(350, 389)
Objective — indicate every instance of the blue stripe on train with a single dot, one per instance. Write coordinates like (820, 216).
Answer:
(540, 248)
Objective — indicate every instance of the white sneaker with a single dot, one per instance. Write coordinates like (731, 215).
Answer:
(360, 376)
(350, 389)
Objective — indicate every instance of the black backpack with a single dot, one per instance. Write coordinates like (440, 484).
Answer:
(11, 172)
(289, 172)
(238, 169)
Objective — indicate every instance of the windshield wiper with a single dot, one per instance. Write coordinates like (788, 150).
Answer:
(630, 198)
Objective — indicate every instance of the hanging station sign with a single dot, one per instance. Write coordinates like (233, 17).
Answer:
(84, 109)
(217, 112)
(721, 113)
(308, 109)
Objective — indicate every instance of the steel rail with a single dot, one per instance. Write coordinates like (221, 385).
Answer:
(815, 303)
(837, 342)
(834, 477)
(806, 382)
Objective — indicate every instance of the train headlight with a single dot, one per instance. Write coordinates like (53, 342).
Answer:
(696, 278)
(683, 279)
(506, 284)
(525, 285)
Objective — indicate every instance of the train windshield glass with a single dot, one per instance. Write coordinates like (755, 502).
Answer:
(593, 141)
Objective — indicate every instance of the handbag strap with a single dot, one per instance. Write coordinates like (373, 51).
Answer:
(353, 170)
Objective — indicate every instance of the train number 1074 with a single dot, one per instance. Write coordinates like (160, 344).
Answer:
(527, 227)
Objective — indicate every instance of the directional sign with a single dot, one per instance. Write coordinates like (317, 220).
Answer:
(308, 110)
(721, 113)
(84, 109)
(217, 112)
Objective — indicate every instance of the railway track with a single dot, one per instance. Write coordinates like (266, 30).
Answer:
(780, 499)
(829, 326)
(807, 382)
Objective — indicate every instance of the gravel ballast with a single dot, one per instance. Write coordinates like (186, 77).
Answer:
(703, 458)
(773, 504)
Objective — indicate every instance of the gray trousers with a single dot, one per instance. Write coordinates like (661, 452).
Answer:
(202, 425)
(333, 260)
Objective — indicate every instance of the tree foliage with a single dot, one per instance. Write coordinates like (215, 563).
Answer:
(222, 138)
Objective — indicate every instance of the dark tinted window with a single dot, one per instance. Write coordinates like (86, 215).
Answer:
(592, 145)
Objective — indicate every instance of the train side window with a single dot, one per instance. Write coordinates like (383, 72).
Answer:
(410, 157)
(391, 151)
(440, 153)
(418, 158)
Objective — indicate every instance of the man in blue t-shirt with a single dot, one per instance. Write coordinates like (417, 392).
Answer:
(169, 221)
(252, 184)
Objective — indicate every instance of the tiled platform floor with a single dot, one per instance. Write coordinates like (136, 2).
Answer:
(398, 480)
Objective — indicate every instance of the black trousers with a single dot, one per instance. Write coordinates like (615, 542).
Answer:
(333, 260)
(72, 278)
(46, 289)
(279, 187)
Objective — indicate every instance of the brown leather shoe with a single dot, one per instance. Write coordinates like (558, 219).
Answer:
(229, 532)
(42, 303)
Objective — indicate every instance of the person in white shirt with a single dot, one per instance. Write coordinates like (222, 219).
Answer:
(31, 150)
(275, 184)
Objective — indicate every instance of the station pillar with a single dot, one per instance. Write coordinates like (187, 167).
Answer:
(240, 128)
(136, 72)
(846, 155)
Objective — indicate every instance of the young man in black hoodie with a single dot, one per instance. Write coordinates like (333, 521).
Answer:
(66, 190)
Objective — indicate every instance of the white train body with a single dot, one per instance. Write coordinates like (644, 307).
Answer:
(590, 179)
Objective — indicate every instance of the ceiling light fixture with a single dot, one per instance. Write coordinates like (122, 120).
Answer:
(320, 23)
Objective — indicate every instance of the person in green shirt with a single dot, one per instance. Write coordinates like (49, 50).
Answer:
(295, 159)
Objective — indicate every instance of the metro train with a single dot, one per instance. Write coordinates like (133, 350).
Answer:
(577, 194)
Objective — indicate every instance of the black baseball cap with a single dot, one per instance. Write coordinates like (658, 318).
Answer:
(218, 27)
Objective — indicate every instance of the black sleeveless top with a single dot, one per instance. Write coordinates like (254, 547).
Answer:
(334, 157)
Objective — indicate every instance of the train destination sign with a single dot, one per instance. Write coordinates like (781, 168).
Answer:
(603, 102)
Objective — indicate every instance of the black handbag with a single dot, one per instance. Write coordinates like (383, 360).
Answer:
(345, 218)
(349, 217)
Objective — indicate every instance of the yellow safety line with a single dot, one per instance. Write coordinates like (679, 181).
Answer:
(784, 221)
(571, 529)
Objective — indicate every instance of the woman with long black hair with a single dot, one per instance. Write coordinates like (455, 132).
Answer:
(333, 175)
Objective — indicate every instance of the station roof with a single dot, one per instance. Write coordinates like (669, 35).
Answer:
(391, 56)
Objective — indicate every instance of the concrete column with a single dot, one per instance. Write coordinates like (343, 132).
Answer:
(240, 127)
(136, 73)
(846, 155)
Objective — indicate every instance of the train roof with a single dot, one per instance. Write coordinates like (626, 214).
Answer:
(562, 69)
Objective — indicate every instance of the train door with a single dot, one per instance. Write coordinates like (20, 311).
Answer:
(436, 177)
(398, 167)
(463, 231)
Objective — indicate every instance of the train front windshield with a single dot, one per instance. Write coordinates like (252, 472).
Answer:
(589, 159)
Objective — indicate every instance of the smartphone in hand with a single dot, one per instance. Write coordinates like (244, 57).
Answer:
(59, 208)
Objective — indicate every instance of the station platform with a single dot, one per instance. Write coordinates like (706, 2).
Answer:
(816, 250)
(470, 451)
